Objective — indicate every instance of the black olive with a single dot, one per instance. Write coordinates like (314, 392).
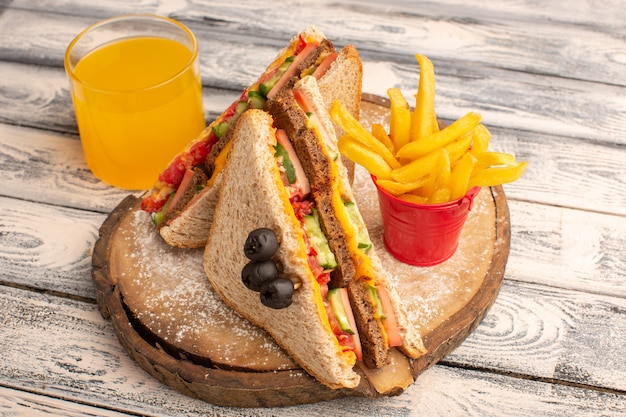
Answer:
(257, 273)
(261, 244)
(277, 294)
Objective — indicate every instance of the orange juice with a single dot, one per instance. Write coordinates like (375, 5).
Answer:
(138, 102)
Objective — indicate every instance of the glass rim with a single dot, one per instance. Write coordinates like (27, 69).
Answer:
(131, 16)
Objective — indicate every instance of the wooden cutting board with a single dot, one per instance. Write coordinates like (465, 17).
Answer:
(172, 323)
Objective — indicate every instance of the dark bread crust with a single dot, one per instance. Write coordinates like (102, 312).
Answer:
(317, 163)
(324, 47)
(199, 179)
(371, 331)
(317, 167)
(286, 113)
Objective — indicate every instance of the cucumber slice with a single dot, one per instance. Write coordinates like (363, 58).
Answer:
(325, 257)
(379, 314)
(256, 99)
(159, 216)
(336, 304)
(362, 236)
(241, 107)
(290, 171)
(265, 87)
(220, 129)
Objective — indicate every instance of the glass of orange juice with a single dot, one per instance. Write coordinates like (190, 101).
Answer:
(137, 94)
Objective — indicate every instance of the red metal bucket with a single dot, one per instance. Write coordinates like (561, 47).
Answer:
(423, 234)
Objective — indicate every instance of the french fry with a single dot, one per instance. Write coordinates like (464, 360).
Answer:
(439, 176)
(379, 133)
(458, 148)
(359, 154)
(351, 126)
(424, 118)
(489, 177)
(412, 198)
(440, 195)
(418, 160)
(460, 127)
(442, 170)
(399, 119)
(491, 159)
(398, 188)
(460, 175)
(481, 139)
(415, 170)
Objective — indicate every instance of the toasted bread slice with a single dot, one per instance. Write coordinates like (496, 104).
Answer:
(188, 224)
(253, 196)
(358, 269)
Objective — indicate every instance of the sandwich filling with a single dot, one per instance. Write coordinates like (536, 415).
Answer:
(321, 260)
(176, 185)
(365, 286)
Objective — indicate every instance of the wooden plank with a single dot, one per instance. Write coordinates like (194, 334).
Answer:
(68, 273)
(73, 354)
(503, 35)
(47, 167)
(46, 102)
(598, 172)
(19, 403)
(502, 97)
(48, 248)
(33, 232)
(569, 248)
(504, 89)
(81, 360)
(553, 334)
(467, 393)
(580, 12)
(575, 11)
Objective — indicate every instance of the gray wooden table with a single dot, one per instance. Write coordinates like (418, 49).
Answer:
(549, 79)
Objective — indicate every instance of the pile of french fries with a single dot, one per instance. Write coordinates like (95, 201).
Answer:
(418, 161)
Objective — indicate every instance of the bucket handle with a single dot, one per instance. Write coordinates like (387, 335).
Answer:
(469, 197)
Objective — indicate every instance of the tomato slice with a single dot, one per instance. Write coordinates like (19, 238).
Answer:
(306, 106)
(302, 181)
(184, 184)
(390, 322)
(325, 65)
(291, 71)
(301, 44)
(354, 339)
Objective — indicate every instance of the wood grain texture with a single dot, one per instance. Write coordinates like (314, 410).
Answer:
(505, 66)
(183, 359)
(566, 245)
(505, 35)
(81, 360)
(598, 168)
(49, 168)
(550, 316)
(479, 394)
(567, 108)
(46, 247)
(548, 78)
(15, 402)
(569, 248)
